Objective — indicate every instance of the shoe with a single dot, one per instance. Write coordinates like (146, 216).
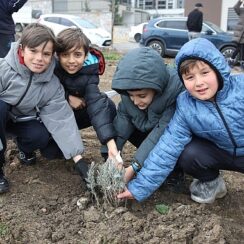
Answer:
(4, 186)
(82, 168)
(175, 182)
(27, 158)
(207, 192)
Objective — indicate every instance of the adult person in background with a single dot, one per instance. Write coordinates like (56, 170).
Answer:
(194, 22)
(238, 32)
(7, 26)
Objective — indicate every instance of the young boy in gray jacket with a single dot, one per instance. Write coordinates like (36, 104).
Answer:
(32, 102)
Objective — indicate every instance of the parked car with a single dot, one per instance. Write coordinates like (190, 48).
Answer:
(136, 31)
(59, 22)
(168, 35)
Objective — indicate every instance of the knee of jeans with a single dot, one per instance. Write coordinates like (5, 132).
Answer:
(189, 155)
(4, 107)
(40, 137)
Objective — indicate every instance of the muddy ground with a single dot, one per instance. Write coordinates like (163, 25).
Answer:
(41, 206)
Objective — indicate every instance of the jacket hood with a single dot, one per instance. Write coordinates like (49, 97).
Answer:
(140, 68)
(12, 59)
(201, 48)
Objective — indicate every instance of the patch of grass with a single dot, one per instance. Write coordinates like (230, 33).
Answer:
(3, 229)
(111, 55)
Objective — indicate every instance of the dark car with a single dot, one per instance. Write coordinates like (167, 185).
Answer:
(168, 35)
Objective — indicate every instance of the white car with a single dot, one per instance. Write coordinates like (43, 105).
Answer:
(136, 31)
(59, 22)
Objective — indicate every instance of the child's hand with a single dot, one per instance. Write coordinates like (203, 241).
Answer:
(77, 102)
(112, 149)
(129, 174)
(125, 195)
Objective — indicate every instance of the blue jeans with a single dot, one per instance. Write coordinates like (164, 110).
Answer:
(30, 135)
(203, 160)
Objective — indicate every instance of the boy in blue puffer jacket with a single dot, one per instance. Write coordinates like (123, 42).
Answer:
(206, 134)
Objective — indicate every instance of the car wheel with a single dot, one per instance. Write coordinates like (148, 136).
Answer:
(158, 46)
(18, 28)
(227, 52)
(137, 37)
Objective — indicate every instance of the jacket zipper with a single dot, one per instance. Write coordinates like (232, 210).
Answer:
(227, 128)
(26, 90)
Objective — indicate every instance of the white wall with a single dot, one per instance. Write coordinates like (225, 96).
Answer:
(225, 5)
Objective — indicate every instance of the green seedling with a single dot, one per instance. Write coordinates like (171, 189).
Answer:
(162, 208)
(3, 229)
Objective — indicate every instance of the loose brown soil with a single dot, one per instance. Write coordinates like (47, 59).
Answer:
(41, 206)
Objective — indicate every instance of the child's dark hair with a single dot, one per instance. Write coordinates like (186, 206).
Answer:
(35, 34)
(187, 65)
(72, 38)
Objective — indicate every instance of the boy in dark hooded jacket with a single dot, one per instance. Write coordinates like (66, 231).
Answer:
(148, 90)
(78, 69)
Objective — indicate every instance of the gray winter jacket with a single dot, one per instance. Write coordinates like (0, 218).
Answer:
(144, 68)
(41, 92)
(239, 29)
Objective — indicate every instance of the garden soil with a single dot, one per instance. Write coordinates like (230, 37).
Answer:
(41, 207)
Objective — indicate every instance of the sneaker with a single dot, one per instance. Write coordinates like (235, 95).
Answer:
(4, 186)
(82, 168)
(207, 192)
(27, 158)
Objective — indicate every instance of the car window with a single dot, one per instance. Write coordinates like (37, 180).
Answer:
(84, 23)
(215, 27)
(172, 24)
(66, 22)
(52, 19)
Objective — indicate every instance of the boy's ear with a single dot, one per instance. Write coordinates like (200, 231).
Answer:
(21, 51)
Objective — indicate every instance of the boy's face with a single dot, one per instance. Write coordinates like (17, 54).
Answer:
(37, 59)
(142, 98)
(201, 81)
(72, 60)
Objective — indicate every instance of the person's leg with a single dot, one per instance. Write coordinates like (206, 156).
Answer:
(242, 56)
(5, 44)
(52, 150)
(137, 137)
(231, 60)
(82, 118)
(30, 135)
(202, 159)
(112, 114)
(4, 186)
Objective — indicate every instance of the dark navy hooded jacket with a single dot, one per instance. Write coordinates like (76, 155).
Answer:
(7, 8)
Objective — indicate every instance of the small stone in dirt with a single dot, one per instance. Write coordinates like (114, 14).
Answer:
(44, 210)
(82, 202)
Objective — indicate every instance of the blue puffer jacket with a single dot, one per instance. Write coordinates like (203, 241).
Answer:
(193, 116)
(7, 8)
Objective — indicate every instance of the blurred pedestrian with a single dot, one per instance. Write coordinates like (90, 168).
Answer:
(238, 32)
(194, 22)
(7, 25)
